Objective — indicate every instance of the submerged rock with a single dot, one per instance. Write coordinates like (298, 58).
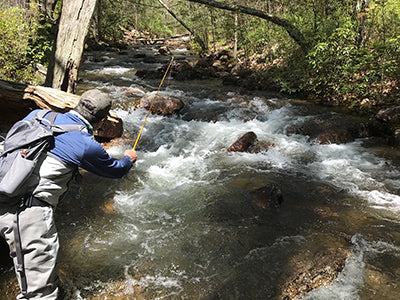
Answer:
(260, 146)
(162, 105)
(8, 285)
(267, 197)
(314, 270)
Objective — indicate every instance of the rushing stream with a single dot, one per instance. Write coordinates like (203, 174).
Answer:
(181, 225)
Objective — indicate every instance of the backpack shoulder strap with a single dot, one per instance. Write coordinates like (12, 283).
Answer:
(58, 129)
(52, 117)
(41, 114)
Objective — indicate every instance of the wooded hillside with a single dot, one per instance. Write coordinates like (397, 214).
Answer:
(342, 52)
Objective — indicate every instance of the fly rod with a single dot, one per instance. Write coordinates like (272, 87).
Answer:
(151, 104)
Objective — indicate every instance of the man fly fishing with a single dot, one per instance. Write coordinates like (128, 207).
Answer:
(28, 226)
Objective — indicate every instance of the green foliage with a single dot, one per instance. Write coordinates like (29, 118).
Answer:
(17, 27)
(41, 43)
(333, 62)
(25, 40)
(339, 68)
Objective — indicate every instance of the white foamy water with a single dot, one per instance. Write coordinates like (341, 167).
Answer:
(111, 70)
(187, 152)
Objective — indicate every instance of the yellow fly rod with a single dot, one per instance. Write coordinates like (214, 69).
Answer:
(151, 104)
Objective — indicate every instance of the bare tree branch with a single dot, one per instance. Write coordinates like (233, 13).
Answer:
(293, 31)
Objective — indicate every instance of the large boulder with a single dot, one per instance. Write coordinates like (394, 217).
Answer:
(161, 105)
(249, 143)
(243, 143)
(331, 129)
(389, 115)
(109, 128)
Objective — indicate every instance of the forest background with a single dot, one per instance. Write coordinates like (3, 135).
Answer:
(349, 52)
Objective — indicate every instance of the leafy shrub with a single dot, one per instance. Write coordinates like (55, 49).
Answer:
(17, 27)
(342, 71)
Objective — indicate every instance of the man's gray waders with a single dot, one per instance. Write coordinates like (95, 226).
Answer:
(32, 237)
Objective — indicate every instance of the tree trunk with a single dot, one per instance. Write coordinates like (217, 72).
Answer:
(196, 37)
(361, 15)
(236, 35)
(293, 32)
(67, 51)
(46, 7)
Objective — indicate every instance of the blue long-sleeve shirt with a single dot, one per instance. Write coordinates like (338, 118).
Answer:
(77, 148)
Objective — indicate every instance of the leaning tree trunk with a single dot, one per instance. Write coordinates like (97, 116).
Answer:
(196, 37)
(293, 32)
(68, 48)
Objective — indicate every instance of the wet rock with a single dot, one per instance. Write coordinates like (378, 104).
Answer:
(164, 50)
(391, 115)
(243, 143)
(311, 270)
(150, 74)
(150, 60)
(109, 128)
(389, 119)
(397, 137)
(5, 260)
(267, 197)
(133, 91)
(162, 105)
(260, 146)
(331, 129)
(184, 71)
(139, 55)
(249, 143)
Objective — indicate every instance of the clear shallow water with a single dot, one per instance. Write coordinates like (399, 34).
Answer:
(182, 225)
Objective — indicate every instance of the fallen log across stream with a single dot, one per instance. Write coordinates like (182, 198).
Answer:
(18, 99)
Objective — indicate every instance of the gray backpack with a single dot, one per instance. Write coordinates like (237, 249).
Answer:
(25, 147)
